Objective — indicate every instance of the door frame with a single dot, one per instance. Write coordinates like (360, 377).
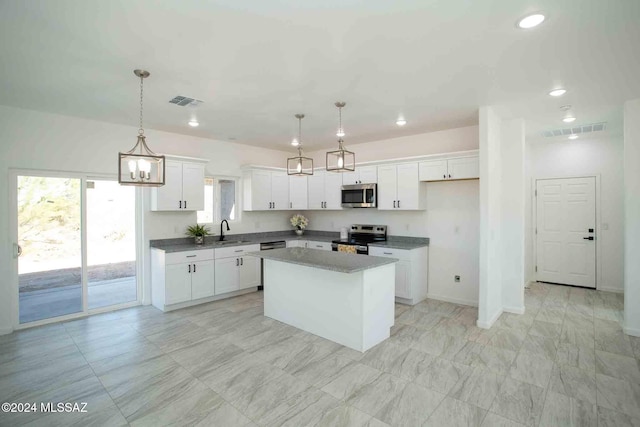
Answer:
(13, 235)
(534, 222)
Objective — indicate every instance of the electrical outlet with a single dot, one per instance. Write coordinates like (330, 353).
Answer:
(456, 279)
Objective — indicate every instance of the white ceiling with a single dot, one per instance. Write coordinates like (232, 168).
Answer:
(256, 63)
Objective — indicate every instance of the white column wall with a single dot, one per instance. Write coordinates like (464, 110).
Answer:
(512, 220)
(490, 295)
(632, 217)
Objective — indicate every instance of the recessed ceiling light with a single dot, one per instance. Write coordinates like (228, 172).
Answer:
(573, 136)
(194, 123)
(531, 21)
(295, 142)
(569, 119)
(558, 92)
(401, 122)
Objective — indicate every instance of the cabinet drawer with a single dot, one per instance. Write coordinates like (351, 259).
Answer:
(234, 251)
(188, 256)
(325, 246)
(390, 253)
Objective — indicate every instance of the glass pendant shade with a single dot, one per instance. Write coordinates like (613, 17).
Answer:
(140, 166)
(341, 160)
(299, 165)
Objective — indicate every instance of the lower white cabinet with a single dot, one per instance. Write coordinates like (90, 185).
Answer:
(296, 243)
(411, 272)
(235, 270)
(181, 277)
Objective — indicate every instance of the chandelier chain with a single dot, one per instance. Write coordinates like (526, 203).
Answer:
(141, 130)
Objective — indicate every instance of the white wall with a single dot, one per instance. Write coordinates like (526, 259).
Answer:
(450, 219)
(490, 289)
(512, 156)
(35, 140)
(632, 217)
(446, 141)
(599, 155)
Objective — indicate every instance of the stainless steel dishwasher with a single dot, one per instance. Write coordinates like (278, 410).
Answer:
(267, 246)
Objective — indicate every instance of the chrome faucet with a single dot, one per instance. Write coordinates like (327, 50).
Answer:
(221, 231)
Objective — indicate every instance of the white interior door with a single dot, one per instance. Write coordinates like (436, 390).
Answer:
(565, 227)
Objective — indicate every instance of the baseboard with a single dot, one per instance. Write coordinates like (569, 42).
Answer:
(6, 331)
(631, 331)
(607, 289)
(489, 324)
(514, 310)
(453, 300)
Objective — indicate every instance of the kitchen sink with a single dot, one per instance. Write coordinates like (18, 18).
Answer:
(232, 242)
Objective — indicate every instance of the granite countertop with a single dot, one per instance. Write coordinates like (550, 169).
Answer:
(211, 242)
(406, 243)
(327, 260)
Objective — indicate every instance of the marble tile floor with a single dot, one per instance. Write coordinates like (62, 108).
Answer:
(565, 362)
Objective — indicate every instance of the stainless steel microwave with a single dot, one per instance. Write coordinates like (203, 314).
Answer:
(360, 196)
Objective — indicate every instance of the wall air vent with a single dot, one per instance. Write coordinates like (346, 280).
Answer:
(183, 101)
(575, 130)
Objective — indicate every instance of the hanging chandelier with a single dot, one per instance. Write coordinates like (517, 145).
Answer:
(140, 166)
(341, 160)
(300, 165)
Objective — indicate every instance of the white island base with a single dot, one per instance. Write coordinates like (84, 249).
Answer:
(352, 309)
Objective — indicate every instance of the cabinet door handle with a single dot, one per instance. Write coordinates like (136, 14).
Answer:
(239, 250)
(388, 253)
(185, 204)
(319, 246)
(194, 268)
(237, 262)
(398, 203)
(449, 175)
(241, 261)
(189, 268)
(191, 256)
(290, 205)
(180, 204)
(444, 176)
(394, 204)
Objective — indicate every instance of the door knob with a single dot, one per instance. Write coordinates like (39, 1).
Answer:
(589, 238)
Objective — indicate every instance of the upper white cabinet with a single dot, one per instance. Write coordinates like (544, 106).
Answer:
(265, 190)
(362, 175)
(298, 192)
(183, 189)
(325, 190)
(399, 187)
(450, 169)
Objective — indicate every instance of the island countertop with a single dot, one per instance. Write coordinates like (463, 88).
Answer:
(341, 262)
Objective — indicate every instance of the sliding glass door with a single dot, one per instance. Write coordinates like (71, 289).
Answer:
(76, 246)
(50, 247)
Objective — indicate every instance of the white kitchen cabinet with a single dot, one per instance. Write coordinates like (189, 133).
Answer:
(296, 243)
(325, 190)
(450, 169)
(312, 244)
(411, 272)
(362, 175)
(399, 187)
(235, 270)
(265, 190)
(181, 277)
(298, 192)
(183, 189)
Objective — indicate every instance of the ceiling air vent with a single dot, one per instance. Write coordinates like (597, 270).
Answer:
(183, 101)
(575, 130)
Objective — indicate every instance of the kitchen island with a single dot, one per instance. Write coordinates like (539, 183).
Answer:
(345, 298)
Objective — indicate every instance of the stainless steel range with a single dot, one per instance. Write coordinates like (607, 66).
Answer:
(360, 236)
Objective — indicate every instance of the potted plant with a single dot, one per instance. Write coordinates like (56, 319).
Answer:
(198, 232)
(299, 222)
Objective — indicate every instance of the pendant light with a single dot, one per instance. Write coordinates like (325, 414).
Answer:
(140, 166)
(300, 165)
(341, 160)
